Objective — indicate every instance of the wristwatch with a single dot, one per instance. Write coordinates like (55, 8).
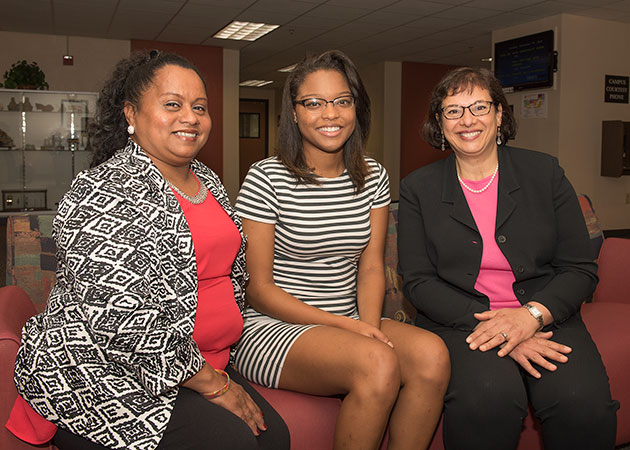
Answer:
(536, 314)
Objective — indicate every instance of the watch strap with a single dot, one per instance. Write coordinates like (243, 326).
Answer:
(536, 314)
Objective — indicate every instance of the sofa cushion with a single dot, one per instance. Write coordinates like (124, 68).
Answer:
(31, 260)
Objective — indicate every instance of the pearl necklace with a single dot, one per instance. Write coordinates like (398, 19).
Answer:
(479, 191)
(196, 199)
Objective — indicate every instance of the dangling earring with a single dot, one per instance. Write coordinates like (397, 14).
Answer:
(499, 138)
(443, 146)
(131, 130)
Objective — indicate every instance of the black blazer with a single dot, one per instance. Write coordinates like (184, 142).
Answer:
(540, 230)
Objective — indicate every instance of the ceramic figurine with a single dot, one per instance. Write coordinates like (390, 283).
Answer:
(26, 106)
(12, 106)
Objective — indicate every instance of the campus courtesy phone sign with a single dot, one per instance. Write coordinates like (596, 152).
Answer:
(616, 89)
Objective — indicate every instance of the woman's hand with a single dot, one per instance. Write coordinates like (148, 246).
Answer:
(237, 401)
(365, 329)
(506, 327)
(540, 350)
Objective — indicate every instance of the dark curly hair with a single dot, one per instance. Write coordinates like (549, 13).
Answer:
(290, 148)
(466, 79)
(130, 79)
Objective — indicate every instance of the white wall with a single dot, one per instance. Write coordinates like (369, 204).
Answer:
(94, 59)
(593, 48)
(231, 67)
(383, 83)
(588, 49)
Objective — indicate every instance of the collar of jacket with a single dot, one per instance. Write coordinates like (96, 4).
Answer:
(453, 193)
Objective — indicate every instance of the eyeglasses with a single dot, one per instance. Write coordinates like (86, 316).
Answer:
(479, 108)
(319, 104)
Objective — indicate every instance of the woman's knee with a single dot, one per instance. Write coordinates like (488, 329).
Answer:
(376, 370)
(428, 361)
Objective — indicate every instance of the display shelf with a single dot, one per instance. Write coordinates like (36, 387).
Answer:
(43, 141)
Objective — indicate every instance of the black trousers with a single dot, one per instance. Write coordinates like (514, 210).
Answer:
(488, 396)
(197, 424)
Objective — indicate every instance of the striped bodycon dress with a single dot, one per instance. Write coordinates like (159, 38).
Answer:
(320, 232)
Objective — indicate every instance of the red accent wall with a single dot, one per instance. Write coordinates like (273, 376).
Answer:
(418, 80)
(209, 61)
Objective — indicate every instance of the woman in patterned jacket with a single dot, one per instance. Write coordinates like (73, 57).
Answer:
(133, 349)
(316, 218)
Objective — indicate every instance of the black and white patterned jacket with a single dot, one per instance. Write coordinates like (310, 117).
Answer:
(105, 359)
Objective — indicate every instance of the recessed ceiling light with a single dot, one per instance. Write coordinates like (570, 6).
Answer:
(288, 68)
(245, 31)
(255, 83)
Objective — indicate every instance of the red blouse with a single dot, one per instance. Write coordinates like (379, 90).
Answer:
(219, 323)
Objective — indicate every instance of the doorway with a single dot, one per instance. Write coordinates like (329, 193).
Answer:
(253, 133)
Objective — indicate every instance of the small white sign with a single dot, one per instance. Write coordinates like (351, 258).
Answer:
(534, 106)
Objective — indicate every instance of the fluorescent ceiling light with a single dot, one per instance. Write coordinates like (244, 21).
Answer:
(255, 83)
(489, 59)
(288, 68)
(245, 31)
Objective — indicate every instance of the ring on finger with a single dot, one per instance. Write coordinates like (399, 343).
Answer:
(505, 335)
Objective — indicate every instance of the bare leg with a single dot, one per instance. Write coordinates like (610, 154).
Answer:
(329, 361)
(425, 371)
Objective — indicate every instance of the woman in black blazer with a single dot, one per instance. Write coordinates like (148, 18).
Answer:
(494, 254)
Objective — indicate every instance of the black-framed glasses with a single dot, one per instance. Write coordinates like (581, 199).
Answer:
(319, 104)
(479, 108)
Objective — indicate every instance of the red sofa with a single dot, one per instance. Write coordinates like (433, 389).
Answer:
(311, 419)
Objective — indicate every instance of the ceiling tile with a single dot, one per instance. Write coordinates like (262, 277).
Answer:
(501, 5)
(604, 13)
(33, 16)
(466, 13)
(620, 6)
(507, 19)
(588, 3)
(153, 6)
(549, 8)
(416, 8)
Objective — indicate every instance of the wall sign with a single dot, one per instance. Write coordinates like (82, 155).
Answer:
(616, 89)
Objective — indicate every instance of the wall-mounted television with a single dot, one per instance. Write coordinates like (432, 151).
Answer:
(527, 62)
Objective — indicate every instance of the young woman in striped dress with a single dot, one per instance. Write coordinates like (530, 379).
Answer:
(316, 218)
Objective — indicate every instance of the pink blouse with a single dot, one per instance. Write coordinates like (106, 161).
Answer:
(495, 275)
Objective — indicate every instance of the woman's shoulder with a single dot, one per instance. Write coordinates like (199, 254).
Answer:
(522, 154)
(374, 165)
(270, 163)
(535, 163)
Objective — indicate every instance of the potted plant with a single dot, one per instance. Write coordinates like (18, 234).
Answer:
(22, 75)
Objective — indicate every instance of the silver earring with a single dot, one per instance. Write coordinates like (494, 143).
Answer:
(131, 130)
(443, 146)
(499, 138)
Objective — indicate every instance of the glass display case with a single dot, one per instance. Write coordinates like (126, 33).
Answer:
(43, 145)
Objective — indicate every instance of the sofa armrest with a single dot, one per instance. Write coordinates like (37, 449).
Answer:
(15, 309)
(614, 267)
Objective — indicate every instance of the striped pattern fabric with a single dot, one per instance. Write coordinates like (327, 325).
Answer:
(320, 232)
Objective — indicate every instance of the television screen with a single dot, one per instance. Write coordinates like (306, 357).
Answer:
(527, 62)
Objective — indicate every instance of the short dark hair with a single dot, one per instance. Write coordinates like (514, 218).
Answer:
(466, 79)
(130, 79)
(290, 148)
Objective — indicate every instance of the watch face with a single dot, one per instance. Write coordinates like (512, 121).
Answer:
(535, 311)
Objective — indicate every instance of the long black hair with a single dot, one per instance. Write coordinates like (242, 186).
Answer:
(290, 148)
(130, 79)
